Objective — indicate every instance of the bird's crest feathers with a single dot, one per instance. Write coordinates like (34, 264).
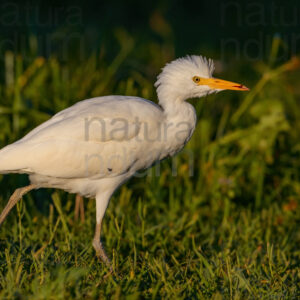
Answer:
(175, 80)
(198, 65)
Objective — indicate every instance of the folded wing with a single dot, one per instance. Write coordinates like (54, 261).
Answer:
(94, 138)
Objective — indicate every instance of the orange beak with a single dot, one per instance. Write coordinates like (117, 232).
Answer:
(220, 84)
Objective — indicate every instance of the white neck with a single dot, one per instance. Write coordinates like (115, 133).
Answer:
(180, 119)
(177, 109)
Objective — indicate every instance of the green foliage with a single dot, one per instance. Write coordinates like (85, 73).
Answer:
(229, 231)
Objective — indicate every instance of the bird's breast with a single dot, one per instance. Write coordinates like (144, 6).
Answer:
(156, 142)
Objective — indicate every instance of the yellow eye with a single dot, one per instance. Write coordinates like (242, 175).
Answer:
(196, 79)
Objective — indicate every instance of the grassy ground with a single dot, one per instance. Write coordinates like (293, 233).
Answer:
(228, 231)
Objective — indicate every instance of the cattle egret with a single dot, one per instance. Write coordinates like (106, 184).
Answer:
(94, 146)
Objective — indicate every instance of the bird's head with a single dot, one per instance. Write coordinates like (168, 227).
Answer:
(191, 77)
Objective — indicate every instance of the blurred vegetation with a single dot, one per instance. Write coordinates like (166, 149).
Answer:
(229, 231)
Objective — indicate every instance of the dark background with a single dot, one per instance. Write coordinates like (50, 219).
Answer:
(224, 29)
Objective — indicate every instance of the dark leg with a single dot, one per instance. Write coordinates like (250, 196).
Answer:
(79, 208)
(14, 198)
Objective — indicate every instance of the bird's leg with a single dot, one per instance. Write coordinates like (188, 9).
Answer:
(82, 218)
(14, 198)
(100, 252)
(101, 204)
(79, 208)
(76, 213)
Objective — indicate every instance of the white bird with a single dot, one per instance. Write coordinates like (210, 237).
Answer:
(94, 146)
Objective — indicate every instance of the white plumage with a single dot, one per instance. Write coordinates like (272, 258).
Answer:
(95, 145)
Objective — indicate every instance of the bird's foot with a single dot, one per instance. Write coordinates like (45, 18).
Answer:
(102, 256)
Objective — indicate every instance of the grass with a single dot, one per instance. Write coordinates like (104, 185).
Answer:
(229, 231)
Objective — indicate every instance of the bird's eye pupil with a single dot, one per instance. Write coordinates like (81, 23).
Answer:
(196, 79)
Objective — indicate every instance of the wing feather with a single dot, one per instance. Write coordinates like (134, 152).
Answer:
(93, 138)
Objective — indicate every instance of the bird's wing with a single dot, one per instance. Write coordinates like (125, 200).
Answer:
(95, 137)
